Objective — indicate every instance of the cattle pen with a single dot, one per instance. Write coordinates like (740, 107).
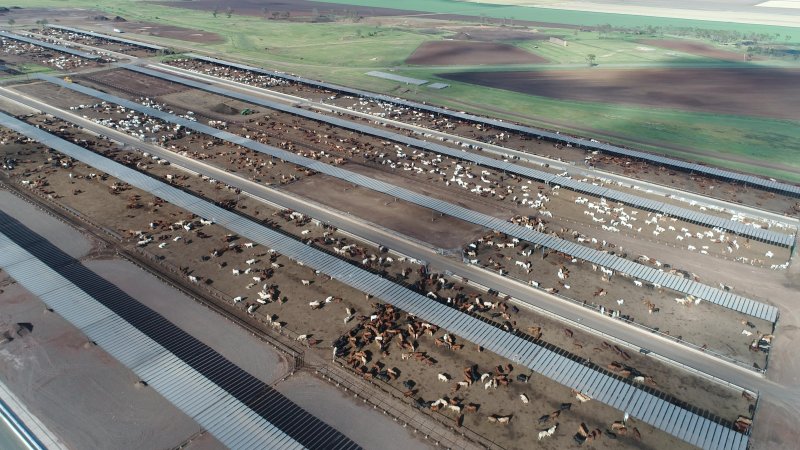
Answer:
(675, 419)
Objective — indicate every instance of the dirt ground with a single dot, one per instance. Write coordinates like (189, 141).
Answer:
(441, 231)
(293, 314)
(710, 90)
(695, 48)
(457, 53)
(82, 394)
(151, 87)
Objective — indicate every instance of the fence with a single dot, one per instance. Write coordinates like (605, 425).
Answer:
(579, 325)
(416, 419)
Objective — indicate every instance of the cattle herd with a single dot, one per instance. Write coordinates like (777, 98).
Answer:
(445, 376)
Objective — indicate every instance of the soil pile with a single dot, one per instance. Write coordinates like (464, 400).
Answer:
(222, 108)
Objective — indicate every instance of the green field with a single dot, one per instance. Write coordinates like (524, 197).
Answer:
(561, 16)
(342, 51)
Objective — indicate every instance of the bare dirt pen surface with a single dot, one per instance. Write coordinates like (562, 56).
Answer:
(466, 53)
(99, 203)
(148, 87)
(694, 48)
(82, 394)
(338, 409)
(626, 166)
(441, 231)
(725, 91)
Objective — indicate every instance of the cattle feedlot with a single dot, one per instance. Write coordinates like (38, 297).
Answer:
(435, 278)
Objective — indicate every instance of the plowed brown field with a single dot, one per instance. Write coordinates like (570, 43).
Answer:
(753, 92)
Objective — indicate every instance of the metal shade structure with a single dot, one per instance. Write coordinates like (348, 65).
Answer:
(58, 48)
(647, 405)
(651, 275)
(238, 409)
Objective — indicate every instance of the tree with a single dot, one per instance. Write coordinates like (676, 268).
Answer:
(590, 58)
(229, 12)
(215, 12)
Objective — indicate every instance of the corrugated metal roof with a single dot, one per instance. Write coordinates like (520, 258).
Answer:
(553, 364)
(58, 48)
(785, 188)
(184, 386)
(674, 282)
(108, 37)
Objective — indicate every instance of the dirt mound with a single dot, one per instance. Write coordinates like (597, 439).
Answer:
(100, 18)
(119, 19)
(222, 108)
(454, 53)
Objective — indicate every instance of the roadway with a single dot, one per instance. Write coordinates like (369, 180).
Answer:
(559, 166)
(567, 311)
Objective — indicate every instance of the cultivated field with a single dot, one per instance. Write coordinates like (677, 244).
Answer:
(727, 91)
